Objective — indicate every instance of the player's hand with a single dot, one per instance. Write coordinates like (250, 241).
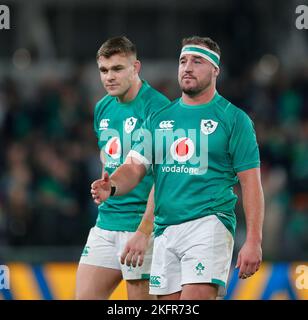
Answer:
(135, 249)
(249, 259)
(101, 189)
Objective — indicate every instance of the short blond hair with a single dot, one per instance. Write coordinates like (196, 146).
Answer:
(116, 45)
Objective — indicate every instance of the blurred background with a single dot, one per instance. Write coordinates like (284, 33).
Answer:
(49, 84)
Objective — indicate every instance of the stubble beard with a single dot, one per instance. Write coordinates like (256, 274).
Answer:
(196, 90)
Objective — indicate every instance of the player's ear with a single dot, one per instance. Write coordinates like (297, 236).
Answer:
(137, 66)
(216, 72)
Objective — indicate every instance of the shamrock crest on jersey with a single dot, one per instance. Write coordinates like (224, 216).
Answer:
(130, 124)
(208, 126)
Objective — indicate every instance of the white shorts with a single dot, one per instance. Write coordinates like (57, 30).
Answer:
(104, 249)
(197, 251)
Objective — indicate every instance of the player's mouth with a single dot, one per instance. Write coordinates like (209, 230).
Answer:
(112, 86)
(188, 78)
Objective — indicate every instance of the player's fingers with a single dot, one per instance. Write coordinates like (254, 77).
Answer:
(129, 258)
(94, 184)
(250, 270)
(242, 273)
(135, 259)
(238, 262)
(254, 268)
(258, 266)
(247, 270)
(106, 177)
(141, 259)
(124, 254)
(98, 183)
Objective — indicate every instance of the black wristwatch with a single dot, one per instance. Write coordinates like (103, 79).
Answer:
(113, 191)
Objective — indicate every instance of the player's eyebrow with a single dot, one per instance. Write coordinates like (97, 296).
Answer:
(197, 57)
(115, 67)
(194, 56)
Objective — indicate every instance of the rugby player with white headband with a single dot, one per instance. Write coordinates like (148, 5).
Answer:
(195, 219)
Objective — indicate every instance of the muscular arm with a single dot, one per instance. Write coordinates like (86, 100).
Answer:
(136, 247)
(250, 256)
(127, 176)
(253, 203)
(125, 179)
(149, 212)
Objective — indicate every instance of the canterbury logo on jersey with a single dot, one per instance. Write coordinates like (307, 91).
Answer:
(104, 123)
(166, 125)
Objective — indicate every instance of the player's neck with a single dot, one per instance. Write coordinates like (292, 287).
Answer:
(202, 98)
(132, 92)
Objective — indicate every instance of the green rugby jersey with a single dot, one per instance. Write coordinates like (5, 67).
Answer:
(114, 125)
(196, 153)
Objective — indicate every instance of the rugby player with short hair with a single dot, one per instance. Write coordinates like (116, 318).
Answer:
(194, 200)
(117, 116)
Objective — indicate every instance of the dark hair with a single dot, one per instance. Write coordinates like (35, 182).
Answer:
(203, 41)
(116, 45)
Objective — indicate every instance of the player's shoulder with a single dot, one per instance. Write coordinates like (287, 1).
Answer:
(103, 102)
(101, 108)
(149, 93)
(165, 110)
(151, 100)
(231, 111)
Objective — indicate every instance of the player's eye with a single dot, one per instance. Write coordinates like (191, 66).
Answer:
(118, 69)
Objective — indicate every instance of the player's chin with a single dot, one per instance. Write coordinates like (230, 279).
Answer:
(189, 90)
(188, 87)
(114, 92)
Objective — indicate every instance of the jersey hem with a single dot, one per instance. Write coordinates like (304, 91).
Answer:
(117, 228)
(248, 166)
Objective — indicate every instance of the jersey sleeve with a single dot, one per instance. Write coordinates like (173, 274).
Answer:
(142, 148)
(243, 145)
(95, 120)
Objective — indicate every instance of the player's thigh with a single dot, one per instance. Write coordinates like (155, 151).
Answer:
(165, 269)
(199, 291)
(206, 257)
(96, 283)
(139, 290)
(101, 249)
(99, 269)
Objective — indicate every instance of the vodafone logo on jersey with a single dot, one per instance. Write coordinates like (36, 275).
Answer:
(182, 149)
(113, 148)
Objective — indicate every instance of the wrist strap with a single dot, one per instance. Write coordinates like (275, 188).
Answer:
(146, 227)
(113, 191)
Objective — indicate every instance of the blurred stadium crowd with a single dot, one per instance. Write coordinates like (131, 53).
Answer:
(49, 157)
